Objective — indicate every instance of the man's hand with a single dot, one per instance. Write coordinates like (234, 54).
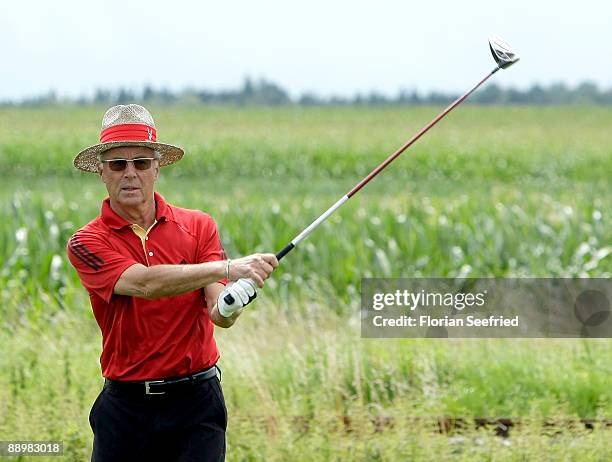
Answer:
(257, 267)
(242, 291)
(248, 272)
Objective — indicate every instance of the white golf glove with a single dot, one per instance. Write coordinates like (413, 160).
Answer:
(242, 292)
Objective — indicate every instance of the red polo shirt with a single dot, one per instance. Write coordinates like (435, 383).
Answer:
(148, 339)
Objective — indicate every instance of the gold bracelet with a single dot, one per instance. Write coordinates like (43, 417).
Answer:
(227, 266)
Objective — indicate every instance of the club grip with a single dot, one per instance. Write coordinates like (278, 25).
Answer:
(288, 248)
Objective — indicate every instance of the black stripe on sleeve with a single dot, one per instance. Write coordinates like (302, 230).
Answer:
(84, 254)
(91, 254)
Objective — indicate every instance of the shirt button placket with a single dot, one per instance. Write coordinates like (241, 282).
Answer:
(148, 253)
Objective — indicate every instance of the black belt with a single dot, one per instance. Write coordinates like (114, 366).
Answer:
(161, 387)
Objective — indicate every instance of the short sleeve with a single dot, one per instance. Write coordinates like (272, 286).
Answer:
(99, 265)
(209, 244)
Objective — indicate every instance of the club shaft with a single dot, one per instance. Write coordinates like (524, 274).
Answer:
(310, 228)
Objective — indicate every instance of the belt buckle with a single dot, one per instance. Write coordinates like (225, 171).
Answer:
(148, 388)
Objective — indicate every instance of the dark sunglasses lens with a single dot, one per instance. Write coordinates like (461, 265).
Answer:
(142, 164)
(117, 165)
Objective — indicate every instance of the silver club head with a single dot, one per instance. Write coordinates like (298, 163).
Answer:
(502, 53)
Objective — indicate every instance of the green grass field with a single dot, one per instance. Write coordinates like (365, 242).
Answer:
(489, 192)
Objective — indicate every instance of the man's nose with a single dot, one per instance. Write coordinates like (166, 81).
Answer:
(130, 170)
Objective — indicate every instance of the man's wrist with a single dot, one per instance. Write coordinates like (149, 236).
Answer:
(218, 268)
(227, 268)
(223, 321)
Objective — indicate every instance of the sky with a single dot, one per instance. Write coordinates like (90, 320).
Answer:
(329, 47)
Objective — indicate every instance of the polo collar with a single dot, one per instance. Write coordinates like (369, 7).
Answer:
(114, 221)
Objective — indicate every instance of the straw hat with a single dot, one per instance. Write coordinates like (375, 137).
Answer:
(126, 125)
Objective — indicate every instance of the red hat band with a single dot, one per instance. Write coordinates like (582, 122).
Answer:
(128, 132)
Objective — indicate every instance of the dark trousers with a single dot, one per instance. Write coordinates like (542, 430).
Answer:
(185, 426)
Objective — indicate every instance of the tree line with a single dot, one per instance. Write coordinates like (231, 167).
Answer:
(266, 93)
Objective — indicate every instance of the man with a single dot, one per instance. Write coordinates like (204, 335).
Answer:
(156, 276)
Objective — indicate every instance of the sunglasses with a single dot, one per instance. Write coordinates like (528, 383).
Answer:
(141, 163)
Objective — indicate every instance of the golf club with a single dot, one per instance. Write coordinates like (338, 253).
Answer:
(504, 57)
